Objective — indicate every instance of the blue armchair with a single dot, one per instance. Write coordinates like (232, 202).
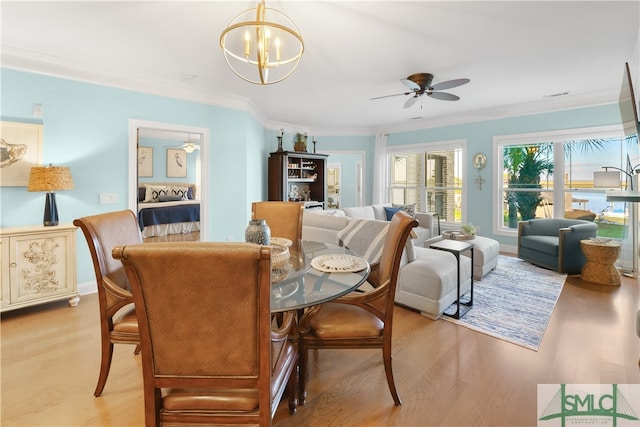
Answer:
(554, 243)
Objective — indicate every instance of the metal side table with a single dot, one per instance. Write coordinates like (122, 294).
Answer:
(457, 247)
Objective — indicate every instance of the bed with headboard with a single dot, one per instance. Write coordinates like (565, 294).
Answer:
(168, 208)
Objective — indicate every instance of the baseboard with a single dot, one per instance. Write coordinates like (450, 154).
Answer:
(87, 288)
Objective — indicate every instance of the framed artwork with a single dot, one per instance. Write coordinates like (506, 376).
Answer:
(145, 161)
(176, 163)
(20, 150)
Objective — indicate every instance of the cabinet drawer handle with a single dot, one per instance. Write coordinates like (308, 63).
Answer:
(13, 264)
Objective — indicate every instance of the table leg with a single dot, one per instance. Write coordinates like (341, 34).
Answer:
(462, 306)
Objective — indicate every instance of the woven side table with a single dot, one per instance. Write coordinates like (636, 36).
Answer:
(600, 267)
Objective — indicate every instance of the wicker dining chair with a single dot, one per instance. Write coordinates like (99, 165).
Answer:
(360, 319)
(118, 322)
(283, 218)
(209, 353)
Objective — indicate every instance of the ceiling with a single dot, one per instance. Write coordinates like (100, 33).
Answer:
(519, 56)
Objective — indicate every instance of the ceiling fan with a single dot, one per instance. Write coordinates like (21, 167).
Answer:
(420, 84)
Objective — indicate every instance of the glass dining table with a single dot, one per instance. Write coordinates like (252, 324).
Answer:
(299, 285)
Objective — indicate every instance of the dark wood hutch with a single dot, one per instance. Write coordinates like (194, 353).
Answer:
(298, 176)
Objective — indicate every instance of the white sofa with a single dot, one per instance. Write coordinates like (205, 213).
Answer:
(426, 283)
(323, 225)
(429, 283)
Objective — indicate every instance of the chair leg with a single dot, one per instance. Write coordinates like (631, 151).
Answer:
(386, 356)
(105, 365)
(293, 389)
(303, 357)
(137, 350)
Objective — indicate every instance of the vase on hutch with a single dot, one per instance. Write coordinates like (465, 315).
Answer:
(301, 143)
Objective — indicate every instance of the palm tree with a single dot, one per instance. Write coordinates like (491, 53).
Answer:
(525, 165)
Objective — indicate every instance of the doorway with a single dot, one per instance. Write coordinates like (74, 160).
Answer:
(350, 176)
(334, 173)
(151, 146)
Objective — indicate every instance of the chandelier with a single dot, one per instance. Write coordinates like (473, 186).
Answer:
(262, 45)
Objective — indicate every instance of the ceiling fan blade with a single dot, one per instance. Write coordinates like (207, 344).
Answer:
(389, 96)
(410, 84)
(411, 101)
(449, 84)
(444, 96)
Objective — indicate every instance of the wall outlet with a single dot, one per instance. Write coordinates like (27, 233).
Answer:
(37, 110)
(107, 198)
(229, 238)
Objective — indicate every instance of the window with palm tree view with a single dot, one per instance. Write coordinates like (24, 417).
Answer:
(430, 179)
(555, 179)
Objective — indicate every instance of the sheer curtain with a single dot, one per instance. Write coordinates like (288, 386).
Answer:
(380, 169)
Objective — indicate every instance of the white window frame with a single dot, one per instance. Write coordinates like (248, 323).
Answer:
(558, 138)
(427, 147)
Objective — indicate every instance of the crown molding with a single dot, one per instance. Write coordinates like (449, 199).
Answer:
(570, 102)
(38, 63)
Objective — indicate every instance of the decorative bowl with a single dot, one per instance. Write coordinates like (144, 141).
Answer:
(458, 235)
(279, 256)
(281, 241)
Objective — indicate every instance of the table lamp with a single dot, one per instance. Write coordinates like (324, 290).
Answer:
(631, 195)
(50, 178)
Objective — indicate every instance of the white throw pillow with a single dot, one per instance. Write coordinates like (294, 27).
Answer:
(410, 208)
(179, 191)
(154, 192)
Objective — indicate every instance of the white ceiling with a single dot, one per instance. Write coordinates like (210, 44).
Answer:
(516, 53)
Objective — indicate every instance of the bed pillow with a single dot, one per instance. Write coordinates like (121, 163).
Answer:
(182, 192)
(155, 191)
(169, 198)
(142, 193)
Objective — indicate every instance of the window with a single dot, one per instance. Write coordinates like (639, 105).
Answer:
(430, 177)
(550, 175)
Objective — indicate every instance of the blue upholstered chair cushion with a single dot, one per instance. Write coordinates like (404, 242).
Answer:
(554, 243)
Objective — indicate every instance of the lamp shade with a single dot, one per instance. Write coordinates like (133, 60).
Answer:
(50, 178)
(606, 179)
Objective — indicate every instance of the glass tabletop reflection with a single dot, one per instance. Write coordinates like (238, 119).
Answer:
(298, 285)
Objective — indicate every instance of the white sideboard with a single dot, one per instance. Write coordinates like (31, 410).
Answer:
(38, 265)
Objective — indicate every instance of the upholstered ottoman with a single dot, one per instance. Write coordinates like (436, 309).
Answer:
(485, 256)
(429, 284)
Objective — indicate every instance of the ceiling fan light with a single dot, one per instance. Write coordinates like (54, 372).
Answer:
(190, 147)
(262, 45)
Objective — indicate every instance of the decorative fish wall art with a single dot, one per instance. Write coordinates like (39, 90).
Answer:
(11, 153)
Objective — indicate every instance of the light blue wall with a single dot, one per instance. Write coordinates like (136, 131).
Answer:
(479, 137)
(348, 178)
(159, 171)
(86, 128)
(364, 143)
(257, 155)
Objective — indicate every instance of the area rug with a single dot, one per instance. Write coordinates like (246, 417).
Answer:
(514, 302)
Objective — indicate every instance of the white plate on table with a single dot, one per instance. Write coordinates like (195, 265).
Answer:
(338, 263)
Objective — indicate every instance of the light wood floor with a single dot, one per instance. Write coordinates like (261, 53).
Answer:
(447, 375)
